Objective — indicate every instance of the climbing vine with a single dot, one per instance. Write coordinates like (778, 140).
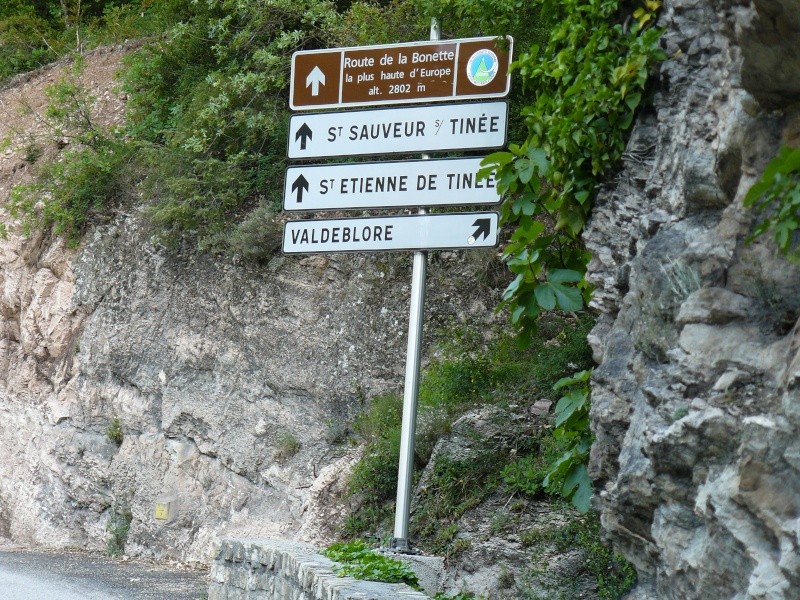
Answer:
(586, 83)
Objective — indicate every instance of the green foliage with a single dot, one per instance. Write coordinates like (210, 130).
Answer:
(35, 33)
(586, 80)
(525, 475)
(469, 373)
(374, 478)
(614, 575)
(70, 192)
(776, 197)
(287, 446)
(455, 486)
(24, 43)
(114, 431)
(362, 562)
(568, 475)
(118, 526)
(468, 18)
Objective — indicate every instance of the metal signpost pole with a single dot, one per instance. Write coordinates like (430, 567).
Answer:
(410, 391)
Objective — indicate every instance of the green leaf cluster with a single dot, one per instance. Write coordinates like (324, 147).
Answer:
(568, 475)
(585, 82)
(776, 198)
(362, 562)
(118, 526)
(69, 193)
(525, 475)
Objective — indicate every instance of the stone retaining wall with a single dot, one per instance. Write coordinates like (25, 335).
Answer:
(278, 570)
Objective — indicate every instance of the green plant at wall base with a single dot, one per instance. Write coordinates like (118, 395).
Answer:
(568, 475)
(776, 197)
(362, 562)
(118, 526)
(587, 81)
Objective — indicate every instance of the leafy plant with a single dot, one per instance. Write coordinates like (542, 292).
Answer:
(525, 475)
(460, 379)
(455, 486)
(69, 193)
(568, 475)
(576, 124)
(362, 562)
(34, 33)
(776, 198)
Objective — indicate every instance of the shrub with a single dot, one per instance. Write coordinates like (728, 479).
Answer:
(119, 524)
(114, 431)
(776, 198)
(287, 447)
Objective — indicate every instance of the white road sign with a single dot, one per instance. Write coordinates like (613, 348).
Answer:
(399, 130)
(408, 232)
(446, 182)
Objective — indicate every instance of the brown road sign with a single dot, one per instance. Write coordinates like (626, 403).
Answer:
(401, 73)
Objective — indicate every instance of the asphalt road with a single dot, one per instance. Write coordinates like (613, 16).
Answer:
(78, 576)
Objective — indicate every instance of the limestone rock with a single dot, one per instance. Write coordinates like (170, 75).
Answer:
(695, 400)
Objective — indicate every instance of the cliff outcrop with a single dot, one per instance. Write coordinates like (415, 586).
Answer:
(695, 402)
(231, 383)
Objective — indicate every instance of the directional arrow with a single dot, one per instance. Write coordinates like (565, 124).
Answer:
(303, 134)
(483, 227)
(315, 79)
(300, 184)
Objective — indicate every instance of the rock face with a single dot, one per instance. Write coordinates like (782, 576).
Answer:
(231, 383)
(695, 404)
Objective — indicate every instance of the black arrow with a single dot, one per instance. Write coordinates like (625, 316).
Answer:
(303, 134)
(483, 226)
(300, 184)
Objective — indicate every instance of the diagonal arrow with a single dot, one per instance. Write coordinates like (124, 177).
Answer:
(315, 79)
(300, 184)
(303, 134)
(483, 227)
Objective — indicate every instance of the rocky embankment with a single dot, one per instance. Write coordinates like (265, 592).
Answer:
(232, 383)
(695, 403)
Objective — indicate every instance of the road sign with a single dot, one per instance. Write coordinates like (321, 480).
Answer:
(406, 232)
(356, 186)
(400, 73)
(399, 130)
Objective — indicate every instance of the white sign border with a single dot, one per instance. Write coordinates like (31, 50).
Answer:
(292, 206)
(387, 151)
(344, 49)
(466, 246)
